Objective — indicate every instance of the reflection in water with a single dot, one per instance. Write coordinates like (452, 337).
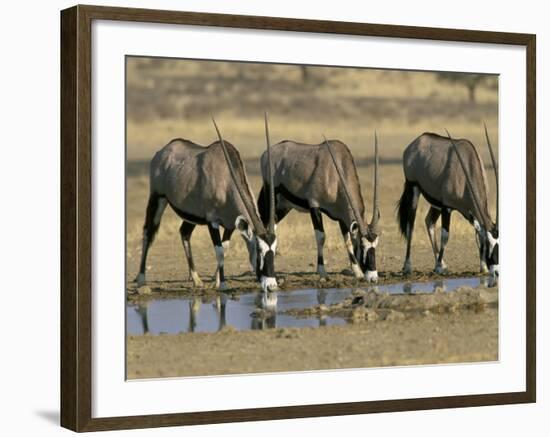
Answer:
(264, 320)
(141, 310)
(194, 308)
(489, 281)
(221, 305)
(266, 301)
(321, 300)
(260, 310)
(321, 296)
(265, 315)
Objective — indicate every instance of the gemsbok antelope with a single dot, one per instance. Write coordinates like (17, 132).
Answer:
(319, 179)
(450, 175)
(208, 186)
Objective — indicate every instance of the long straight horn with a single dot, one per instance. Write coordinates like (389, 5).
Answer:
(375, 201)
(257, 224)
(271, 226)
(356, 214)
(495, 167)
(468, 180)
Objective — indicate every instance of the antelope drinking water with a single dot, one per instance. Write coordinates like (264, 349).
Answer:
(208, 186)
(450, 175)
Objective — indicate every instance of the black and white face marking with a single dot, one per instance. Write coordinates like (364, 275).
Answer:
(490, 249)
(367, 258)
(492, 252)
(352, 246)
(241, 224)
(265, 261)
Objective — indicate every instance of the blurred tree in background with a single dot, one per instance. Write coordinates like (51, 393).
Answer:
(470, 81)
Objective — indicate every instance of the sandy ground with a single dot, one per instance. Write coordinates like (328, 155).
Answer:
(450, 338)
(383, 330)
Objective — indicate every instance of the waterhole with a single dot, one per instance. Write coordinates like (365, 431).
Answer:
(257, 310)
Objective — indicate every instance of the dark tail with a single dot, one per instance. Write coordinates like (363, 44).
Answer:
(263, 204)
(404, 207)
(154, 207)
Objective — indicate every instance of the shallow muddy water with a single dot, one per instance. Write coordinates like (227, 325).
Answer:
(256, 310)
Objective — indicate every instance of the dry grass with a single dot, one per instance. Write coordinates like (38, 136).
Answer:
(168, 99)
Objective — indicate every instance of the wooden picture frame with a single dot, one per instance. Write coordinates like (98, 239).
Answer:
(76, 217)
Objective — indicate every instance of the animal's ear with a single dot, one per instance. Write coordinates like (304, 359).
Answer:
(244, 227)
(354, 229)
(477, 226)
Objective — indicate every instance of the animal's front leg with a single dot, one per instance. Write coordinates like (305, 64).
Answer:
(440, 266)
(219, 276)
(186, 230)
(227, 233)
(317, 220)
(431, 220)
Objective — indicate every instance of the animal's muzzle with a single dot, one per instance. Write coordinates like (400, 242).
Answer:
(371, 276)
(268, 284)
(371, 259)
(269, 264)
(267, 274)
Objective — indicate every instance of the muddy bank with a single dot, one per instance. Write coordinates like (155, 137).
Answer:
(459, 337)
(372, 306)
(246, 283)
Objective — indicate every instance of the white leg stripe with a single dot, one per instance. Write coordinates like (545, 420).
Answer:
(320, 237)
(219, 254)
(444, 237)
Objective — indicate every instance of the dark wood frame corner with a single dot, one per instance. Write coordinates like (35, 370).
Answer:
(76, 221)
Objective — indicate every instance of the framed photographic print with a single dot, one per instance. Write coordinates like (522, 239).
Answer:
(268, 218)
